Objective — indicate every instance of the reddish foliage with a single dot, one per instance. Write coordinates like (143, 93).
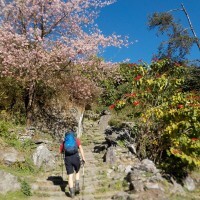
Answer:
(179, 106)
(177, 64)
(176, 151)
(130, 95)
(158, 75)
(194, 139)
(135, 103)
(111, 107)
(132, 64)
(138, 77)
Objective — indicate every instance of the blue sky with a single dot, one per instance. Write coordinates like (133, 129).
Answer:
(130, 17)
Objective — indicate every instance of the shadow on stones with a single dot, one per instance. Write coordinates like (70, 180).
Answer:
(58, 180)
(100, 148)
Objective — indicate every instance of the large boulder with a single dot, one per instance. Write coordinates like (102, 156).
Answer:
(10, 155)
(8, 182)
(115, 134)
(43, 157)
(103, 122)
(110, 156)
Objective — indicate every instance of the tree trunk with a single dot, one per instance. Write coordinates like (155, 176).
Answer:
(80, 126)
(81, 111)
(29, 102)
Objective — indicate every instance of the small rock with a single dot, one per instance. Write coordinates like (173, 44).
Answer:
(150, 186)
(110, 156)
(121, 196)
(128, 169)
(120, 168)
(177, 188)
(132, 148)
(149, 166)
(137, 186)
(109, 171)
(189, 184)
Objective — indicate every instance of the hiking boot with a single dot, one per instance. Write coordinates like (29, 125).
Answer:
(77, 188)
(71, 192)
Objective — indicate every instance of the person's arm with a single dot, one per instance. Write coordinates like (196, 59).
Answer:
(80, 149)
(82, 153)
(62, 147)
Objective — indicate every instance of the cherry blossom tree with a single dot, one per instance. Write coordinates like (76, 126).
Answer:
(39, 38)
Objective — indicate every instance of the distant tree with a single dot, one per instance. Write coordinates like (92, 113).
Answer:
(180, 39)
(39, 39)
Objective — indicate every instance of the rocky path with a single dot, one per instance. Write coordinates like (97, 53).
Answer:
(95, 184)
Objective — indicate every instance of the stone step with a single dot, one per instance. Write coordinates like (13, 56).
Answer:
(35, 197)
(103, 196)
(88, 187)
(87, 193)
(89, 160)
(93, 142)
(92, 135)
(99, 178)
(49, 194)
(52, 188)
(88, 171)
(95, 189)
(95, 185)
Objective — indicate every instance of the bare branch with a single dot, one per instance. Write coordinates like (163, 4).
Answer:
(191, 27)
(177, 9)
(55, 24)
(23, 23)
(184, 30)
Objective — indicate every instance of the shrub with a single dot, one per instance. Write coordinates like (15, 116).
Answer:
(25, 188)
(168, 119)
(11, 100)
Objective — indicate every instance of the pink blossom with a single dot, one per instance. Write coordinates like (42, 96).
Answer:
(39, 36)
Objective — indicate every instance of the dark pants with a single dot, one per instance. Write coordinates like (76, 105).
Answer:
(72, 163)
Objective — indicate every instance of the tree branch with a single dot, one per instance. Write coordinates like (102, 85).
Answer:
(55, 24)
(191, 27)
(174, 10)
(23, 23)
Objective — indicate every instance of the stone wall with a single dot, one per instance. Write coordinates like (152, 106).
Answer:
(58, 115)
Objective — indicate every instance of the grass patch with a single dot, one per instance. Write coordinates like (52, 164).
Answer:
(9, 134)
(85, 139)
(148, 174)
(22, 169)
(9, 138)
(102, 190)
(14, 196)
(118, 185)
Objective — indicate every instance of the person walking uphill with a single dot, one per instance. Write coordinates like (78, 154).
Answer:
(71, 147)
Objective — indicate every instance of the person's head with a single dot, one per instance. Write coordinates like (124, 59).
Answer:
(71, 130)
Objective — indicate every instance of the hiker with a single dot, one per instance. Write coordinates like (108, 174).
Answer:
(69, 147)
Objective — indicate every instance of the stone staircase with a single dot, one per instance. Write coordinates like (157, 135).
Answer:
(95, 184)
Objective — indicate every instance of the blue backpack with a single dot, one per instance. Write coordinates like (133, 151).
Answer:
(70, 144)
